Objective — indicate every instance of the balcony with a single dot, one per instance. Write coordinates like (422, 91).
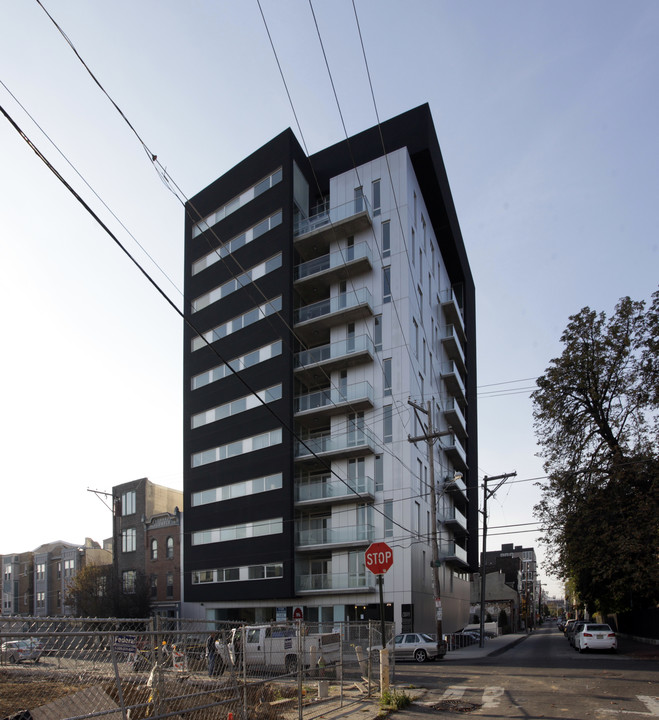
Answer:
(336, 310)
(455, 520)
(453, 346)
(334, 401)
(313, 234)
(455, 486)
(453, 554)
(323, 489)
(334, 582)
(306, 540)
(351, 444)
(316, 363)
(453, 311)
(450, 373)
(454, 450)
(321, 272)
(455, 418)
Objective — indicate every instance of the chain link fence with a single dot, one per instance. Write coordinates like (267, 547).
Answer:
(71, 668)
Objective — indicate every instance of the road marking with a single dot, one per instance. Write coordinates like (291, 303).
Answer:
(650, 702)
(454, 692)
(491, 696)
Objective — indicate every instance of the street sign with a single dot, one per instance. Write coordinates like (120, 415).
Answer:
(379, 557)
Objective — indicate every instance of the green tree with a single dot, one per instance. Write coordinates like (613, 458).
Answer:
(90, 592)
(595, 413)
(96, 591)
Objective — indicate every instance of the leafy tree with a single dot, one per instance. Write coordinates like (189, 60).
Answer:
(96, 591)
(595, 413)
(90, 592)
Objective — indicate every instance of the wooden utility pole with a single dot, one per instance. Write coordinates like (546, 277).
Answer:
(486, 495)
(429, 436)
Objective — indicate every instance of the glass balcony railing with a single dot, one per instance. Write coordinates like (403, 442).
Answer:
(325, 488)
(455, 484)
(451, 550)
(328, 444)
(453, 448)
(336, 259)
(357, 535)
(329, 397)
(455, 517)
(334, 351)
(336, 304)
(332, 216)
(332, 581)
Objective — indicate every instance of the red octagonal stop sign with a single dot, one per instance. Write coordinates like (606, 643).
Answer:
(379, 557)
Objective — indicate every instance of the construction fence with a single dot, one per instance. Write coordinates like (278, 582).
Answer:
(72, 668)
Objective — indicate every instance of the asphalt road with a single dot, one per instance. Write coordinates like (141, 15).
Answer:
(541, 677)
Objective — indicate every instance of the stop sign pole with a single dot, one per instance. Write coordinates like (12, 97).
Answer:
(378, 558)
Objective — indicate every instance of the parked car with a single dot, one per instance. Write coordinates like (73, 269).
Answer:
(412, 646)
(595, 636)
(568, 624)
(15, 651)
(573, 630)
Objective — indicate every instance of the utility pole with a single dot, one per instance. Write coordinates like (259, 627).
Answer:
(429, 436)
(488, 494)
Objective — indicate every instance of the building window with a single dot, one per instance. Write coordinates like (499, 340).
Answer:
(41, 571)
(236, 203)
(252, 316)
(386, 368)
(154, 586)
(420, 476)
(237, 282)
(236, 365)
(129, 578)
(41, 600)
(386, 285)
(413, 250)
(170, 548)
(243, 531)
(388, 518)
(377, 332)
(376, 197)
(415, 327)
(128, 503)
(247, 402)
(359, 200)
(239, 489)
(154, 549)
(128, 540)
(387, 424)
(379, 473)
(170, 585)
(239, 447)
(69, 568)
(247, 572)
(386, 239)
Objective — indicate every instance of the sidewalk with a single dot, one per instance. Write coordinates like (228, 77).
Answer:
(492, 646)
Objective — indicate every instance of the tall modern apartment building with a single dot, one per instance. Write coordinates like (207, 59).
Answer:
(323, 294)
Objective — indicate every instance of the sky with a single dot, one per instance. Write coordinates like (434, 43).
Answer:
(547, 117)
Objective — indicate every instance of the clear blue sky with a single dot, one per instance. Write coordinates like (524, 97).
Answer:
(547, 116)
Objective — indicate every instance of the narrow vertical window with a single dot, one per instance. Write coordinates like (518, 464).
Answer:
(416, 338)
(386, 239)
(379, 473)
(359, 200)
(377, 332)
(376, 197)
(386, 367)
(387, 424)
(386, 285)
(413, 248)
(388, 518)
